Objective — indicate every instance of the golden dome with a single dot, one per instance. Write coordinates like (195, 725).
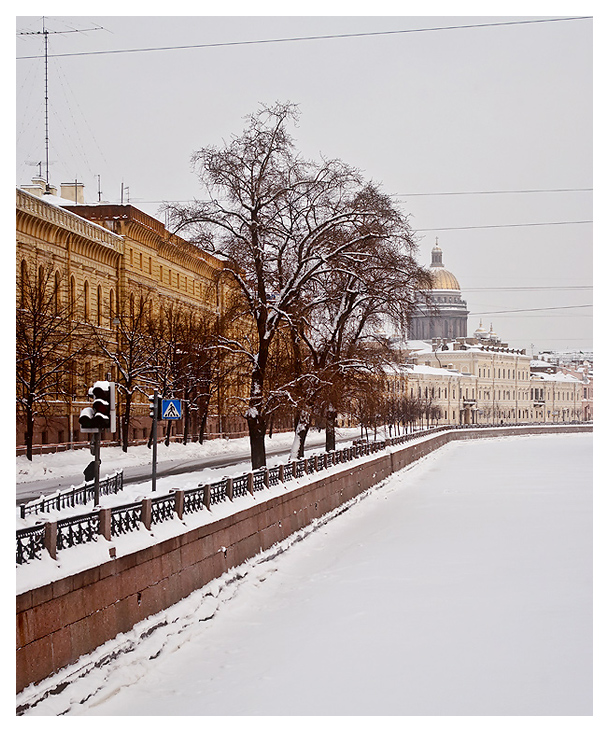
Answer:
(444, 280)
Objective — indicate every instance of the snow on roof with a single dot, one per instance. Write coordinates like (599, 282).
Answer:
(59, 202)
(423, 346)
(434, 370)
(556, 377)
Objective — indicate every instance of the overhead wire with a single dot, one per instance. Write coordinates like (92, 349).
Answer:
(313, 38)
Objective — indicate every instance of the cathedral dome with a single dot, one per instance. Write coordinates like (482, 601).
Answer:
(442, 278)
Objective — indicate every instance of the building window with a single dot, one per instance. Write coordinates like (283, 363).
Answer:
(23, 283)
(72, 296)
(57, 293)
(86, 301)
(99, 305)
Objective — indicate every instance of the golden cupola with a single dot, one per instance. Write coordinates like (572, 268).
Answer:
(442, 278)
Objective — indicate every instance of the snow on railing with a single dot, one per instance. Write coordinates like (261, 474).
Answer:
(80, 494)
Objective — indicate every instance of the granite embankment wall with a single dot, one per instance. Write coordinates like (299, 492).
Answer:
(59, 622)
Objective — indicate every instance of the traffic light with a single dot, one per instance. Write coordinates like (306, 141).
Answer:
(158, 407)
(102, 415)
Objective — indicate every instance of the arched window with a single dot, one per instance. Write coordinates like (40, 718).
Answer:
(23, 283)
(72, 296)
(99, 305)
(57, 292)
(87, 311)
(112, 306)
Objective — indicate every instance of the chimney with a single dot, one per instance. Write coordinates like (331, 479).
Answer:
(73, 192)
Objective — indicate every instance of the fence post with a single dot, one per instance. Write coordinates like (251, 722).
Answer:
(207, 496)
(179, 503)
(50, 538)
(295, 469)
(250, 483)
(105, 523)
(147, 512)
(266, 477)
(281, 477)
(229, 489)
(316, 463)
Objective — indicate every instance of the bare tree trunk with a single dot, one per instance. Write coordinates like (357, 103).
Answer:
(186, 403)
(257, 430)
(125, 422)
(330, 430)
(203, 424)
(300, 435)
(29, 432)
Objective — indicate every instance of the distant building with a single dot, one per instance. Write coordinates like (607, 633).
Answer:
(446, 314)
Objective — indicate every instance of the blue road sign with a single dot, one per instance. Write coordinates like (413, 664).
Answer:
(171, 409)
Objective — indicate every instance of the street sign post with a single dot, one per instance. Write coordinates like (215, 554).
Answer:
(154, 413)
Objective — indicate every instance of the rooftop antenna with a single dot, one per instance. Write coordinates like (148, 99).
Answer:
(45, 32)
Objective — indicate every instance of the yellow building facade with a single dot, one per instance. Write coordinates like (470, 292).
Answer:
(104, 260)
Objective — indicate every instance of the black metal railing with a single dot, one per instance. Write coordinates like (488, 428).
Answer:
(217, 491)
(240, 486)
(77, 530)
(162, 508)
(77, 495)
(259, 479)
(125, 519)
(30, 543)
(194, 500)
(274, 473)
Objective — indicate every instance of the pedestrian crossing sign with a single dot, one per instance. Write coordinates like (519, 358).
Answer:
(171, 409)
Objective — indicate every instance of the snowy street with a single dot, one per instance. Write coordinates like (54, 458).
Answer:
(460, 586)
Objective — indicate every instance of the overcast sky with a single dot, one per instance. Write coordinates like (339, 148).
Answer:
(485, 114)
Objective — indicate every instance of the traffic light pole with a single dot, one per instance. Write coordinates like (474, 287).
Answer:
(155, 418)
(96, 439)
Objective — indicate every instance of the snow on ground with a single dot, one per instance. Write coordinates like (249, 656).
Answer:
(460, 586)
(71, 463)
(76, 559)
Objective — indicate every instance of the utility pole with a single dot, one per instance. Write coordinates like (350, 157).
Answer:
(45, 33)
(154, 414)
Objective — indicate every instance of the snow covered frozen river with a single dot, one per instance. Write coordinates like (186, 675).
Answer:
(460, 586)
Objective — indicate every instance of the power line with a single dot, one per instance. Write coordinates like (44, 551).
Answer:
(312, 38)
(488, 193)
(530, 310)
(448, 193)
(525, 289)
(506, 226)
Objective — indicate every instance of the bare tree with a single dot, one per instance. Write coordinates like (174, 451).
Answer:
(132, 353)
(279, 221)
(48, 340)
